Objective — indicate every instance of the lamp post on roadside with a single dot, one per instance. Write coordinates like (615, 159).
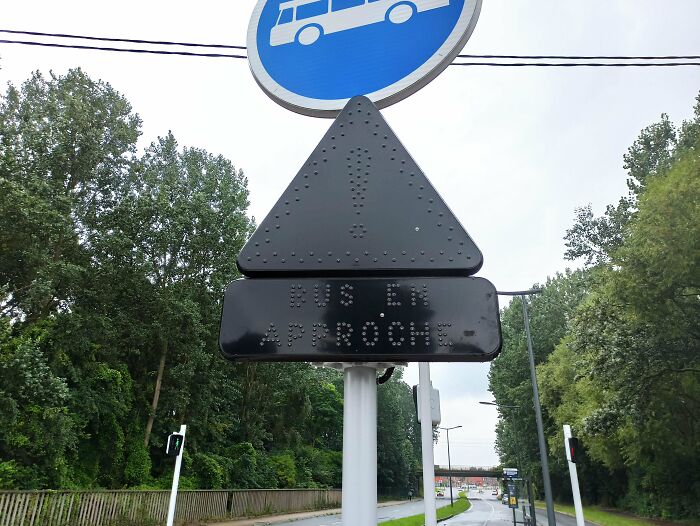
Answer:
(449, 463)
(551, 518)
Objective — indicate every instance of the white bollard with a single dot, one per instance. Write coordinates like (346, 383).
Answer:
(176, 479)
(574, 478)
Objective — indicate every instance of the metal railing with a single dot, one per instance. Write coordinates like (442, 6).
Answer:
(122, 507)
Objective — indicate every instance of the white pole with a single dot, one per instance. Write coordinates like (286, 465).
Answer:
(360, 446)
(574, 478)
(427, 443)
(176, 479)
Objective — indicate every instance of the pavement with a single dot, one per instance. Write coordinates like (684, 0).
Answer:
(486, 510)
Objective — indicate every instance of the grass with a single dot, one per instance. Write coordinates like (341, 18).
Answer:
(606, 517)
(461, 504)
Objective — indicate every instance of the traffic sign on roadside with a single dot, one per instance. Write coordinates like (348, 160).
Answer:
(360, 206)
(312, 56)
(362, 319)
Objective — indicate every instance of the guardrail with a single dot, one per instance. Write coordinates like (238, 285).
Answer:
(127, 507)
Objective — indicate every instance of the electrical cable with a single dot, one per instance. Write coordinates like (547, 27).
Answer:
(123, 50)
(578, 64)
(236, 56)
(129, 40)
(385, 377)
(230, 46)
(585, 57)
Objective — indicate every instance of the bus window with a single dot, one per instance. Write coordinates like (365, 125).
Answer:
(313, 9)
(346, 4)
(286, 16)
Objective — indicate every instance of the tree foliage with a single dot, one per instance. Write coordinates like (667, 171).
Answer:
(112, 271)
(622, 365)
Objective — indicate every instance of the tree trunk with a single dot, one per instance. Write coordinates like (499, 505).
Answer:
(156, 392)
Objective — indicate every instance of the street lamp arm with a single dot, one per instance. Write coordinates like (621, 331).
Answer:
(518, 292)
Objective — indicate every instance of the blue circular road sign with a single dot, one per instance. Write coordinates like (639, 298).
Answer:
(312, 56)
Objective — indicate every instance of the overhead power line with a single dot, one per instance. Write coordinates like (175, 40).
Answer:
(230, 46)
(585, 57)
(578, 64)
(123, 50)
(566, 61)
(128, 40)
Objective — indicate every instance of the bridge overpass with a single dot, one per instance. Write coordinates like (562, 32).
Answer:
(469, 471)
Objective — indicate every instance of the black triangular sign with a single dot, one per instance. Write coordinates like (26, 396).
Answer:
(360, 206)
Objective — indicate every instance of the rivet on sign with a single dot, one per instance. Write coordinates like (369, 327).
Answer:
(417, 228)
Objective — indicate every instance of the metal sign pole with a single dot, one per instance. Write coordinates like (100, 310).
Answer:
(360, 446)
(426, 425)
(551, 518)
(176, 478)
(573, 472)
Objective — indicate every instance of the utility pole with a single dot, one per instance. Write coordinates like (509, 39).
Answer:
(551, 518)
(449, 462)
(426, 425)
(359, 445)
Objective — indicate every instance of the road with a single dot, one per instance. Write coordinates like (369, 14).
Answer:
(383, 514)
(486, 510)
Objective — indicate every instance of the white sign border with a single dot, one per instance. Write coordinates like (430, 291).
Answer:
(382, 98)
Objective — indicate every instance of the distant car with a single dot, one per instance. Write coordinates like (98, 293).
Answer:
(440, 495)
(504, 499)
(494, 492)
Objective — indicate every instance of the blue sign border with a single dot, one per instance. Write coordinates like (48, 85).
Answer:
(382, 98)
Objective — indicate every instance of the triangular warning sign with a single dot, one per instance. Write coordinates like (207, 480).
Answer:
(360, 206)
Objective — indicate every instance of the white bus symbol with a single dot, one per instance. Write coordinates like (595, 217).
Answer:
(305, 21)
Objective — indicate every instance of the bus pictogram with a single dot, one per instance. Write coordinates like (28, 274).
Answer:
(305, 21)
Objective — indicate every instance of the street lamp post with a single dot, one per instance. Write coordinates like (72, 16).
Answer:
(449, 462)
(551, 518)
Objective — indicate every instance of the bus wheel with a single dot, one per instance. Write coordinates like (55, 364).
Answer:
(400, 13)
(309, 35)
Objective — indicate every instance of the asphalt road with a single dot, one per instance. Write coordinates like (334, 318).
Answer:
(383, 514)
(486, 510)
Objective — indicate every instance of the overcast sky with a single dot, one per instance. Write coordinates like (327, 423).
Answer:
(513, 151)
